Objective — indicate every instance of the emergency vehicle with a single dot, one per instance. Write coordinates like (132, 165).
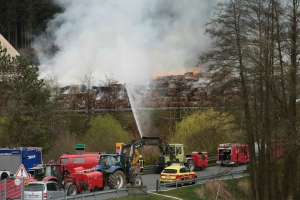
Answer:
(276, 148)
(233, 154)
(12, 158)
(72, 161)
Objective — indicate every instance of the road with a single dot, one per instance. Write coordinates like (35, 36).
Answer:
(150, 180)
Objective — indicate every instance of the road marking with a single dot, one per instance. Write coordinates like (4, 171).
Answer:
(165, 196)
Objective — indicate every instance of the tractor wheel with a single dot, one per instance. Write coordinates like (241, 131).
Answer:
(116, 180)
(72, 190)
(191, 165)
(95, 189)
(138, 180)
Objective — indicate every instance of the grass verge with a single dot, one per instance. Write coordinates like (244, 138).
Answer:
(233, 189)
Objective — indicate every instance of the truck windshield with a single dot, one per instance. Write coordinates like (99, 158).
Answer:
(52, 171)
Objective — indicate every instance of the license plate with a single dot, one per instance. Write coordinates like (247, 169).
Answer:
(168, 176)
(33, 196)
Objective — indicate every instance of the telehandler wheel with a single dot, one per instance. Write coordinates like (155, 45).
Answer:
(72, 190)
(158, 170)
(116, 180)
(138, 180)
(191, 165)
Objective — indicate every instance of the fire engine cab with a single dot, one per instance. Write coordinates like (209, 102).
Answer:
(233, 154)
(12, 158)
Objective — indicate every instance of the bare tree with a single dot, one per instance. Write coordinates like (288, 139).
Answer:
(88, 81)
(110, 90)
(254, 57)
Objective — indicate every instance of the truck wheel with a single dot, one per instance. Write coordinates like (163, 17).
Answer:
(202, 168)
(190, 164)
(4, 176)
(116, 180)
(237, 163)
(158, 170)
(138, 180)
(72, 190)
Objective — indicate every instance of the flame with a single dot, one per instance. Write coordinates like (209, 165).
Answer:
(181, 72)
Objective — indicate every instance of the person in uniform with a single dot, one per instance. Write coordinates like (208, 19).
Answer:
(142, 163)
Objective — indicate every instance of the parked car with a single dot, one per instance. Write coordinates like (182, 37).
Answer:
(175, 173)
(43, 190)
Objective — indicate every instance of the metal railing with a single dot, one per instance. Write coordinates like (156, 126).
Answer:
(97, 195)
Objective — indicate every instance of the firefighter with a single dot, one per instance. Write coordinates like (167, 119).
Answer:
(142, 163)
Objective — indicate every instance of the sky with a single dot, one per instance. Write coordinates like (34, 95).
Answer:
(131, 41)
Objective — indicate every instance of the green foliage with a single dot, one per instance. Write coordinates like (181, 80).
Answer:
(204, 130)
(25, 105)
(61, 145)
(21, 19)
(103, 134)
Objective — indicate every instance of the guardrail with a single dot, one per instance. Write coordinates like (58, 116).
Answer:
(96, 194)
(152, 167)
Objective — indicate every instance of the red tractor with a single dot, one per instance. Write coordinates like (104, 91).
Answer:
(80, 181)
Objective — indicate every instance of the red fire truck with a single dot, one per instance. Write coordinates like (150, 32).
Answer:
(233, 154)
(276, 148)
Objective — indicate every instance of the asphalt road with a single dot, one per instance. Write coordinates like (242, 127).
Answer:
(150, 180)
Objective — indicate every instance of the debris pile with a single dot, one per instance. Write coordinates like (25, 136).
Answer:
(188, 90)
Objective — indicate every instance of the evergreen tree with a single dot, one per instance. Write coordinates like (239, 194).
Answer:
(25, 104)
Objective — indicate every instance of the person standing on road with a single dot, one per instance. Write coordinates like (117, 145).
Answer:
(142, 163)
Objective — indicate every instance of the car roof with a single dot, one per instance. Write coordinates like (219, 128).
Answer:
(79, 155)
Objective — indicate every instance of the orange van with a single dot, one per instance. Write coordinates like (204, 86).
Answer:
(72, 161)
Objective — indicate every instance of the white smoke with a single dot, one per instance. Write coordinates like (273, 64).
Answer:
(132, 40)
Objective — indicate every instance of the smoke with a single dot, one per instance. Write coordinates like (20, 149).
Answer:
(132, 40)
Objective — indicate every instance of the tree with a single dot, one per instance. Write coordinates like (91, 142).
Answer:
(88, 81)
(255, 46)
(110, 91)
(103, 134)
(25, 104)
(206, 130)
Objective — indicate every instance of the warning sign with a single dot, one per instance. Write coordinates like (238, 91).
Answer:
(21, 172)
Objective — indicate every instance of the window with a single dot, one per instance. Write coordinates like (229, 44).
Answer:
(57, 188)
(64, 160)
(169, 171)
(178, 150)
(78, 160)
(51, 187)
(34, 187)
(183, 170)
